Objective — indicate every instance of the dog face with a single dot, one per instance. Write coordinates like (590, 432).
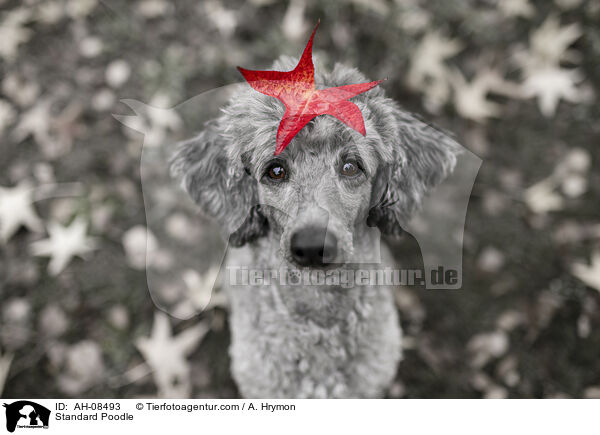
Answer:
(315, 196)
(318, 198)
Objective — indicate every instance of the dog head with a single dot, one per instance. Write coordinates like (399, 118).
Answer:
(317, 199)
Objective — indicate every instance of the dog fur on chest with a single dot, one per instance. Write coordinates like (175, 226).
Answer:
(311, 341)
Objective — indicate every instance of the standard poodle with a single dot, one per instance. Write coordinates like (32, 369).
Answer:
(323, 204)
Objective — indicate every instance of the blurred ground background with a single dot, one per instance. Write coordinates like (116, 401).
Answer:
(515, 80)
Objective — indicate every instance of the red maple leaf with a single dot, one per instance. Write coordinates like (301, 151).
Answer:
(296, 90)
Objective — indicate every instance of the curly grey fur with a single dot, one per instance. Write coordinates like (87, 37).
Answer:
(312, 341)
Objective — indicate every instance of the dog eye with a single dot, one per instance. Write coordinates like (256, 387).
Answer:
(276, 172)
(350, 168)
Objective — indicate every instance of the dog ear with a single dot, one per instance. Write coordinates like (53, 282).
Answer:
(419, 158)
(222, 188)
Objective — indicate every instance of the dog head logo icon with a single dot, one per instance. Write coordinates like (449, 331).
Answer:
(26, 414)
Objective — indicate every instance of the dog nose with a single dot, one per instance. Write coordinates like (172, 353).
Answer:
(312, 246)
